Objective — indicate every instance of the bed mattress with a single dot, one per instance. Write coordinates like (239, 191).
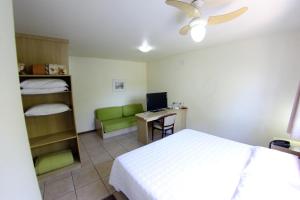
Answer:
(185, 165)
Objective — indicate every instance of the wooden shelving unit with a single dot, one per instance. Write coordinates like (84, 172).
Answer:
(49, 133)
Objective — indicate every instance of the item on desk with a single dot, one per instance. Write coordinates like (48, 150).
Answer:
(177, 105)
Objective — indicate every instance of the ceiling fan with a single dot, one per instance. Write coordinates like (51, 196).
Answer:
(197, 26)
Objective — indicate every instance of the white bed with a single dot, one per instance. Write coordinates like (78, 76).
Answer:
(195, 165)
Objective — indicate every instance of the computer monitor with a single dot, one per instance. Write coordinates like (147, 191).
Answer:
(156, 101)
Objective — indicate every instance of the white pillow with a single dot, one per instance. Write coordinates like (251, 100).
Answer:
(43, 83)
(46, 109)
(31, 91)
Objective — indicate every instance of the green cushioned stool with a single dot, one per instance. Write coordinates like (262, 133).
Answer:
(52, 161)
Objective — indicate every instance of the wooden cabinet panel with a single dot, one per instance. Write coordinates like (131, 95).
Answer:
(33, 49)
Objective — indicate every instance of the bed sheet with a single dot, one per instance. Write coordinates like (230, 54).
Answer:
(186, 165)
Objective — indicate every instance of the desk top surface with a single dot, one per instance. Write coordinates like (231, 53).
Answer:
(151, 116)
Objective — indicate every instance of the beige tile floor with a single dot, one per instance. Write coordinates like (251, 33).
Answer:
(90, 182)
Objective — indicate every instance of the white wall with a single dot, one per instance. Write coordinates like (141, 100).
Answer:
(240, 90)
(92, 86)
(18, 180)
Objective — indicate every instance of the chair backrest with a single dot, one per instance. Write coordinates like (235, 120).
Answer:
(169, 120)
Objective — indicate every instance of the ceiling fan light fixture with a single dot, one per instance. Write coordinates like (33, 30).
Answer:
(145, 47)
(198, 3)
(198, 22)
(198, 33)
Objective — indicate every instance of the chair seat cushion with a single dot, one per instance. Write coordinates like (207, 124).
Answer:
(117, 124)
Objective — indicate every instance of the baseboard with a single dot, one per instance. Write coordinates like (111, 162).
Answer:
(86, 132)
(114, 133)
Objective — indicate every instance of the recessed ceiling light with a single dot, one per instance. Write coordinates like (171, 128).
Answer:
(145, 47)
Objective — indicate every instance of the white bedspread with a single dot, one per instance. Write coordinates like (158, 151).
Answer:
(270, 174)
(186, 165)
(195, 165)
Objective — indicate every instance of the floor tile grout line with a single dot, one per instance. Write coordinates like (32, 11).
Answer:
(48, 183)
(102, 180)
(98, 173)
(101, 144)
(75, 190)
(88, 154)
(105, 149)
(94, 167)
(123, 148)
(66, 194)
(123, 144)
(84, 144)
(85, 185)
(43, 193)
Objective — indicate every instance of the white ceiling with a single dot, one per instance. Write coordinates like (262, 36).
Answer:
(113, 29)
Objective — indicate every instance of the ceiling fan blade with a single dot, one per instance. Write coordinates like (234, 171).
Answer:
(188, 9)
(184, 30)
(212, 20)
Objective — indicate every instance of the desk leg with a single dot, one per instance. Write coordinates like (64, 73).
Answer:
(142, 131)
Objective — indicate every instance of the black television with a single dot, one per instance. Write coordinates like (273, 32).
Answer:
(156, 101)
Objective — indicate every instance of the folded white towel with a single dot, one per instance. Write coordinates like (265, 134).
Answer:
(31, 91)
(43, 83)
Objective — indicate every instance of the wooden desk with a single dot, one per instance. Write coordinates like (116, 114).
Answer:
(143, 120)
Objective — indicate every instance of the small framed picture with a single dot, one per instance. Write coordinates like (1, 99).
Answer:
(118, 85)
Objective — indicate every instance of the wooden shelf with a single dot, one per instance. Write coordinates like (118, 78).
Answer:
(52, 138)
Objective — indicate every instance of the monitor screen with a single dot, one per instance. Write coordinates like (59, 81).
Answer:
(156, 101)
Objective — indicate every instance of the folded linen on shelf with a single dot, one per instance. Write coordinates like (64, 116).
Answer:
(43, 83)
(47, 109)
(29, 91)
